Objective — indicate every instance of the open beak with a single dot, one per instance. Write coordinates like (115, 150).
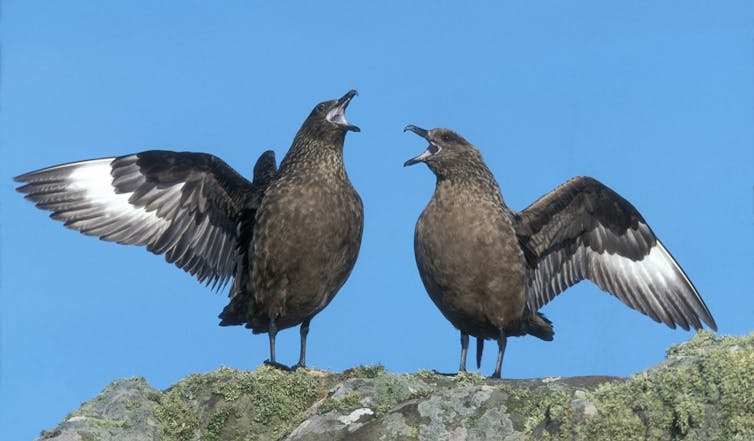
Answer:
(338, 113)
(431, 150)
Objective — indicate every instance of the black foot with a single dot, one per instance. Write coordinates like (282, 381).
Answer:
(298, 366)
(447, 374)
(277, 365)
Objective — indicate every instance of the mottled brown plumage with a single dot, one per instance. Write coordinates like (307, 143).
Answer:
(489, 269)
(307, 232)
(288, 239)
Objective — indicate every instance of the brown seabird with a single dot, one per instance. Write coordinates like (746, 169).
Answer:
(490, 269)
(288, 240)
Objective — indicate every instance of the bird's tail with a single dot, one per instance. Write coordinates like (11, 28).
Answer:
(539, 326)
(234, 313)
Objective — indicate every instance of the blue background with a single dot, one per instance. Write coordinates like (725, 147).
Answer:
(655, 99)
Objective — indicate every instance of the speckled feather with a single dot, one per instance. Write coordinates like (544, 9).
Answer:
(468, 254)
(490, 269)
(180, 204)
(307, 234)
(288, 239)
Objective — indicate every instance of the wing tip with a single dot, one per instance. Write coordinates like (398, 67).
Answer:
(709, 321)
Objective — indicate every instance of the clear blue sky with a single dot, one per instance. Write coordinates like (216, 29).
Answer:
(655, 100)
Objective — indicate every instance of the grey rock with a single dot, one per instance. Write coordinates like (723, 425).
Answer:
(584, 409)
(702, 391)
(124, 411)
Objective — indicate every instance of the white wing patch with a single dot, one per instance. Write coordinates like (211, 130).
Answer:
(584, 230)
(175, 206)
(94, 179)
(655, 285)
(87, 201)
(82, 195)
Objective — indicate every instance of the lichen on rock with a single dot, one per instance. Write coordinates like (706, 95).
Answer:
(704, 390)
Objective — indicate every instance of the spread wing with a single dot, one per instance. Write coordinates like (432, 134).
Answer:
(585, 230)
(183, 205)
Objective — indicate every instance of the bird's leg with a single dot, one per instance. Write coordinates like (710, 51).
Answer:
(464, 349)
(501, 341)
(302, 355)
(272, 331)
(479, 350)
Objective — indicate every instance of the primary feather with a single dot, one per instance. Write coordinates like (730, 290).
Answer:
(490, 269)
(288, 239)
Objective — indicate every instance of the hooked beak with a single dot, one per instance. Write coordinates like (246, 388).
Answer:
(418, 130)
(431, 150)
(337, 115)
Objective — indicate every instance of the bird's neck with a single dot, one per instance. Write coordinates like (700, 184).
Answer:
(307, 153)
(476, 183)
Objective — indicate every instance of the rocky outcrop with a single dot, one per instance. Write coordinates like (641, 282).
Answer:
(704, 390)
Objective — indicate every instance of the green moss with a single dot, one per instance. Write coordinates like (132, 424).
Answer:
(539, 410)
(263, 404)
(281, 396)
(390, 390)
(704, 391)
(382, 409)
(364, 371)
(132, 404)
(351, 400)
(109, 424)
(88, 436)
(468, 378)
(154, 396)
(275, 394)
(177, 417)
(47, 434)
(95, 418)
(702, 341)
(425, 375)
(413, 432)
(217, 424)
(557, 419)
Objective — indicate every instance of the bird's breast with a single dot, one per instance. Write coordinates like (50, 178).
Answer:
(306, 240)
(470, 261)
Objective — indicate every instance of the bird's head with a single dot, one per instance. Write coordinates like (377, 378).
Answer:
(446, 150)
(328, 118)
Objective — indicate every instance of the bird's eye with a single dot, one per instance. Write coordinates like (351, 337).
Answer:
(320, 108)
(445, 138)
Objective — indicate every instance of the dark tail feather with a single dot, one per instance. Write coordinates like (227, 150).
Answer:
(479, 349)
(234, 313)
(540, 327)
(229, 317)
